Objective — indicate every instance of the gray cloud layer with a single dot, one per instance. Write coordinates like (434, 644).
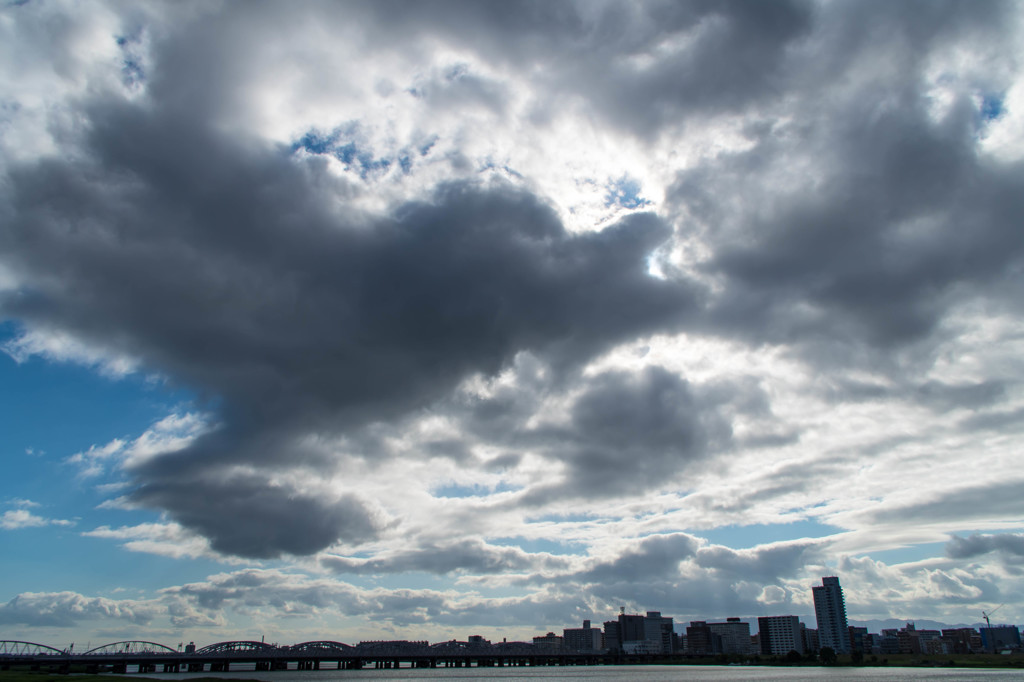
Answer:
(977, 545)
(851, 226)
(226, 267)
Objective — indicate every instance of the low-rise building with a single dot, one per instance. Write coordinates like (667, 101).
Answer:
(963, 640)
(549, 642)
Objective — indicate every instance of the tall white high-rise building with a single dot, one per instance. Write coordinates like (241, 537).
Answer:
(830, 611)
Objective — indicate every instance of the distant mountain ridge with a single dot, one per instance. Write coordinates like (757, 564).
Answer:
(874, 626)
(920, 624)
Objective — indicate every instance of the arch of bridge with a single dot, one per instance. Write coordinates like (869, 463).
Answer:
(228, 647)
(321, 646)
(20, 648)
(131, 647)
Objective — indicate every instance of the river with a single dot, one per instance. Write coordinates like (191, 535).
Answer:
(632, 673)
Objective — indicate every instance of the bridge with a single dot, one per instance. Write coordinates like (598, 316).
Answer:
(143, 657)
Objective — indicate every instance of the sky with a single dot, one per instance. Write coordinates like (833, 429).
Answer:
(389, 320)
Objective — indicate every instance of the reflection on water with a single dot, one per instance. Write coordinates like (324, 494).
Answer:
(633, 673)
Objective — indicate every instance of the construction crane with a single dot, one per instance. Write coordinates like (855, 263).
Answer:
(992, 643)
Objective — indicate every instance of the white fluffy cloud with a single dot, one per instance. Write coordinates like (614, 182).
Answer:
(13, 519)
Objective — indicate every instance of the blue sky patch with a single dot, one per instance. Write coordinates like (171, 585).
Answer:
(540, 545)
(428, 145)
(472, 490)
(624, 192)
(991, 107)
(910, 553)
(132, 72)
(90, 408)
(342, 144)
(743, 537)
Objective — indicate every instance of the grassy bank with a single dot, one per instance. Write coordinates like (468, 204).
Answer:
(947, 660)
(40, 676)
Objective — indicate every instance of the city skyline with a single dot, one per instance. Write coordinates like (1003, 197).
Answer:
(586, 643)
(396, 320)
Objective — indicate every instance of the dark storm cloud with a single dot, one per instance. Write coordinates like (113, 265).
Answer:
(225, 266)
(630, 432)
(977, 545)
(611, 54)
(250, 515)
(624, 432)
(899, 219)
(654, 558)
(642, 67)
(907, 215)
(733, 58)
(241, 269)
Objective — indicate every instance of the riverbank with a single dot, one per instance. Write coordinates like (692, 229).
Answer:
(844, 664)
(40, 676)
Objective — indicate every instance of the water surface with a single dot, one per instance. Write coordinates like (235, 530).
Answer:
(633, 673)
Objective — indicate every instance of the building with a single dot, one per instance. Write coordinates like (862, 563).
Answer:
(907, 638)
(585, 638)
(612, 640)
(625, 629)
(641, 646)
(779, 635)
(700, 641)
(888, 642)
(633, 633)
(858, 639)
(930, 642)
(631, 629)
(963, 640)
(830, 612)
(734, 635)
(658, 631)
(549, 642)
(810, 636)
(1000, 637)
